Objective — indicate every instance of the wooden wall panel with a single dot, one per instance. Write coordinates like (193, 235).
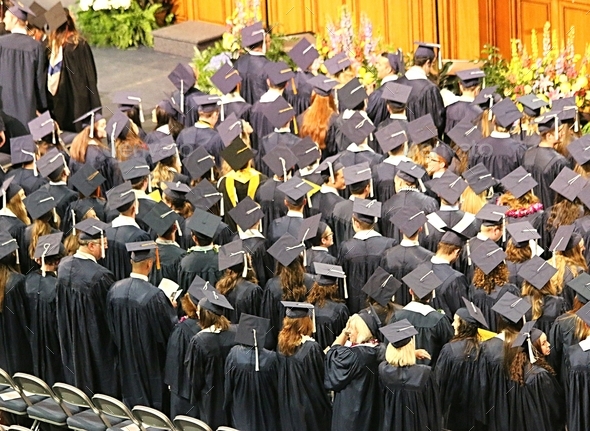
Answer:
(578, 15)
(532, 14)
(212, 11)
(289, 16)
(457, 34)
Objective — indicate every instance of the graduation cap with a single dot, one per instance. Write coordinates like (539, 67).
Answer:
(295, 310)
(579, 149)
(322, 85)
(357, 173)
(141, 250)
(246, 213)
(568, 183)
(252, 331)
(411, 173)
(564, 239)
(449, 187)
(532, 104)
(176, 190)
(42, 126)
(164, 148)
(351, 95)
(295, 189)
(396, 61)
(399, 333)
(215, 302)
(286, 249)
(52, 162)
(204, 222)
(568, 110)
(197, 289)
(453, 237)
(232, 254)
(422, 129)
(226, 79)
(280, 160)
(549, 122)
(337, 63)
(253, 34)
(512, 307)
(584, 314)
(487, 97)
(444, 151)
(584, 195)
(92, 229)
(426, 49)
(391, 136)
(20, 11)
(506, 113)
(479, 178)
(396, 94)
(87, 179)
(23, 150)
(230, 129)
(519, 182)
(134, 168)
(56, 17)
(117, 127)
(331, 165)
(487, 256)
(471, 313)
(381, 286)
(303, 54)
(278, 112)
(237, 154)
(183, 78)
(127, 99)
(7, 245)
(278, 72)
(207, 103)
(309, 228)
(307, 152)
(367, 211)
(8, 190)
(524, 336)
(357, 128)
(91, 115)
(120, 195)
(329, 274)
(537, 272)
(199, 162)
(491, 215)
(204, 195)
(47, 246)
(409, 220)
(522, 232)
(38, 20)
(161, 218)
(581, 285)
(39, 203)
(471, 77)
(465, 135)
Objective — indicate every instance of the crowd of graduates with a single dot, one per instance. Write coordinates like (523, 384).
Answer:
(300, 252)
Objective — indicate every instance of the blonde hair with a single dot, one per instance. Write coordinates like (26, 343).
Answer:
(162, 173)
(363, 332)
(472, 202)
(537, 296)
(16, 205)
(403, 357)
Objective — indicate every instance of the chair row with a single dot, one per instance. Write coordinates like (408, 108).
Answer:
(65, 405)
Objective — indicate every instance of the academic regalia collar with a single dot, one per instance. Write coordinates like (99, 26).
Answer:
(283, 130)
(327, 189)
(437, 260)
(366, 234)
(256, 53)
(203, 249)
(352, 198)
(85, 256)
(499, 135)
(395, 160)
(202, 125)
(319, 248)
(464, 98)
(138, 276)
(140, 194)
(250, 233)
(231, 98)
(415, 72)
(171, 169)
(18, 30)
(211, 329)
(418, 307)
(402, 117)
(389, 78)
(409, 243)
(445, 207)
(481, 236)
(294, 214)
(308, 170)
(356, 148)
(162, 241)
(438, 174)
(123, 220)
(6, 212)
(271, 95)
(58, 183)
(164, 129)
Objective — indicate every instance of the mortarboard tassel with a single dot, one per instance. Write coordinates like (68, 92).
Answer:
(260, 225)
(331, 169)
(468, 252)
(421, 184)
(212, 174)
(46, 247)
(294, 86)
(371, 187)
(490, 107)
(102, 252)
(92, 126)
(257, 365)
(504, 229)
(284, 168)
(345, 288)
(17, 258)
(73, 222)
(245, 270)
(309, 200)
(556, 128)
(149, 182)
(426, 229)
(178, 228)
(295, 127)
(530, 349)
(53, 136)
(577, 121)
(221, 207)
(113, 149)
(182, 96)
(313, 319)
(158, 265)
(54, 216)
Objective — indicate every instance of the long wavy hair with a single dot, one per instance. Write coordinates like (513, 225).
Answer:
(419, 153)
(292, 280)
(7, 267)
(497, 277)
(472, 202)
(468, 332)
(573, 260)
(17, 206)
(81, 141)
(42, 226)
(181, 206)
(563, 213)
(208, 318)
(517, 254)
(66, 33)
(230, 279)
(294, 329)
(517, 362)
(581, 329)
(316, 119)
(189, 306)
(525, 201)
(318, 295)
(162, 172)
(125, 148)
(537, 296)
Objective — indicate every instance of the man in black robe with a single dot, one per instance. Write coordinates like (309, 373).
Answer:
(388, 67)
(23, 78)
(53, 167)
(227, 79)
(324, 201)
(425, 97)
(272, 201)
(123, 229)
(87, 349)
(140, 318)
(298, 92)
(137, 172)
(295, 200)
(469, 85)
(319, 252)
(24, 164)
(251, 65)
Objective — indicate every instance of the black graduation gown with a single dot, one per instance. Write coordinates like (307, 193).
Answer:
(283, 225)
(352, 373)
(450, 218)
(26, 178)
(300, 101)
(561, 337)
(87, 349)
(495, 386)
(458, 111)
(577, 388)
(192, 137)
(154, 136)
(245, 297)
(303, 401)
(201, 263)
(323, 203)
(383, 175)
(359, 259)
(205, 363)
(485, 301)
(460, 393)
(399, 261)
(513, 276)
(336, 140)
(351, 158)
(170, 257)
(145, 206)
(425, 98)
(77, 91)
(43, 336)
(268, 143)
(553, 307)
(544, 164)
(23, 57)
(377, 108)
(223, 235)
(100, 158)
(449, 295)
(140, 318)
(251, 397)
(434, 329)
(16, 228)
(404, 198)
(63, 196)
(191, 107)
(117, 258)
(26, 263)
(582, 226)
(251, 70)
(410, 398)
(330, 320)
(272, 202)
(15, 350)
(499, 155)
(262, 262)
(319, 256)
(176, 375)
(260, 124)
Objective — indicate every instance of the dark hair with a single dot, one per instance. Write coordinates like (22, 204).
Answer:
(203, 240)
(421, 61)
(358, 188)
(359, 107)
(56, 175)
(126, 207)
(468, 332)
(394, 109)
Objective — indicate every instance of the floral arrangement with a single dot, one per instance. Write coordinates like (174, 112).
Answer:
(119, 23)
(360, 44)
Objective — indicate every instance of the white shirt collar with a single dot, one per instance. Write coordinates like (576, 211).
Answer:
(250, 233)
(499, 135)
(256, 53)
(19, 30)
(123, 220)
(389, 78)
(231, 97)
(398, 117)
(163, 241)
(58, 183)
(438, 174)
(86, 256)
(437, 260)
(140, 194)
(366, 234)
(328, 189)
(418, 307)
(445, 207)
(481, 236)
(283, 130)
(465, 98)
(6, 212)
(308, 170)
(201, 248)
(212, 329)
(395, 160)
(415, 72)
(409, 243)
(138, 276)
(164, 129)
(358, 148)
(295, 214)
(319, 248)
(271, 95)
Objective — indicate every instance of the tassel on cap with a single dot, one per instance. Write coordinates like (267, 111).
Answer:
(178, 228)
(182, 96)
(283, 165)
(257, 365)
(92, 126)
(113, 145)
(73, 222)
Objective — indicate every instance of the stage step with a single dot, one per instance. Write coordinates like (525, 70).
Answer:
(181, 39)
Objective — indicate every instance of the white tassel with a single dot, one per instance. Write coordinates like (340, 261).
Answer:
(113, 149)
(490, 113)
(92, 126)
(73, 222)
(468, 253)
(136, 206)
(54, 216)
(212, 174)
(43, 265)
(221, 207)
(426, 229)
(577, 121)
(371, 187)
(309, 200)
(313, 319)
(17, 258)
(102, 252)
(181, 96)
(178, 227)
(257, 366)
(331, 169)
(222, 114)
(284, 168)
(35, 172)
(345, 289)
(530, 348)
(149, 183)
(504, 229)
(245, 270)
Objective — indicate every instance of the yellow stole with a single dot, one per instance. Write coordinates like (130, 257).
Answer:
(248, 175)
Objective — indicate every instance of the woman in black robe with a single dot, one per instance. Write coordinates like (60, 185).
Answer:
(547, 306)
(351, 371)
(304, 403)
(517, 253)
(577, 381)
(13, 217)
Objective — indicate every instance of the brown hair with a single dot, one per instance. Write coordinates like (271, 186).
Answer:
(291, 334)
(563, 212)
(419, 153)
(16, 205)
(485, 125)
(208, 319)
(66, 33)
(497, 277)
(181, 206)
(515, 359)
(5, 271)
(292, 280)
(472, 202)
(469, 333)
(80, 144)
(581, 329)
(463, 157)
(316, 120)
(525, 201)
(162, 173)
(189, 306)
(537, 296)
(125, 148)
(228, 281)
(363, 225)
(318, 295)
(41, 226)
(572, 259)
(518, 254)
(445, 248)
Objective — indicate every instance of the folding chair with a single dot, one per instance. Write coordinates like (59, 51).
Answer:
(12, 398)
(113, 407)
(153, 418)
(90, 418)
(17, 428)
(186, 423)
(226, 429)
(50, 410)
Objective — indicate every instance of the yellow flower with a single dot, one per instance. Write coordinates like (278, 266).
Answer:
(527, 75)
(565, 87)
(362, 71)
(325, 50)
(323, 69)
(528, 89)
(228, 41)
(562, 78)
(582, 81)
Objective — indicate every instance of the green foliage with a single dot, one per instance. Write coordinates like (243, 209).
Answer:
(119, 27)
(495, 68)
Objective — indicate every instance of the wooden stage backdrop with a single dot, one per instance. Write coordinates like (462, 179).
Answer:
(461, 26)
